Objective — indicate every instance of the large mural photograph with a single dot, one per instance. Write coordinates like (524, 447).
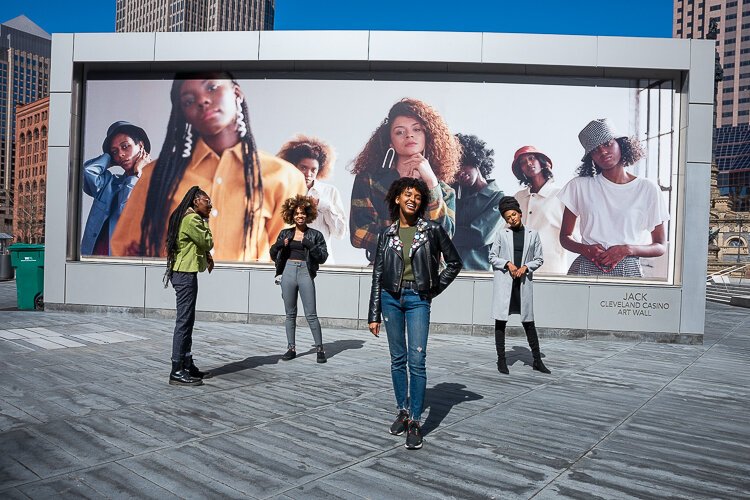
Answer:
(591, 162)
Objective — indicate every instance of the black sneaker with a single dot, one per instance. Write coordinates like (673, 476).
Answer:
(413, 436)
(290, 354)
(399, 425)
(321, 356)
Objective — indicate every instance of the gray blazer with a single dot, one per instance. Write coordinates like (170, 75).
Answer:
(500, 254)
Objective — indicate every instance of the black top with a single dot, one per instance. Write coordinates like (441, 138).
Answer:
(296, 250)
(515, 292)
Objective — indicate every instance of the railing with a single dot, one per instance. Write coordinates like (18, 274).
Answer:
(723, 277)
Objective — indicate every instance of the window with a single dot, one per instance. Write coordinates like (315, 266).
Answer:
(726, 114)
(729, 65)
(744, 112)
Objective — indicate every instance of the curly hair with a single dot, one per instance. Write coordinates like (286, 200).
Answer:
(442, 149)
(631, 151)
(475, 153)
(302, 147)
(546, 171)
(290, 205)
(398, 187)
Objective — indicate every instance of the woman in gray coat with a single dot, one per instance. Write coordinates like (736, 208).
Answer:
(514, 256)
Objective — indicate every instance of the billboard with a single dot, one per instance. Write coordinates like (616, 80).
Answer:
(593, 158)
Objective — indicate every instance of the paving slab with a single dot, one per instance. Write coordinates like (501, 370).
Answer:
(86, 412)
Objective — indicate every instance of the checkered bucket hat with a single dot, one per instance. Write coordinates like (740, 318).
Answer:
(596, 133)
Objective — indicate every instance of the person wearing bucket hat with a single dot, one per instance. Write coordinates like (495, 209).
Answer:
(540, 206)
(412, 141)
(621, 217)
(476, 203)
(126, 146)
(515, 255)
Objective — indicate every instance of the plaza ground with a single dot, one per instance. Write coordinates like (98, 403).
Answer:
(86, 412)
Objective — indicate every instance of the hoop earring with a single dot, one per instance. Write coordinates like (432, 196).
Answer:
(392, 153)
(188, 141)
(241, 126)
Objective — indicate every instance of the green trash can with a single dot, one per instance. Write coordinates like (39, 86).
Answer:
(28, 259)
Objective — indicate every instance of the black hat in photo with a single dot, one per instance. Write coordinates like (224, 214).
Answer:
(127, 128)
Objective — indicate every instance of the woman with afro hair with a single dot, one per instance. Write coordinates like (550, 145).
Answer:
(621, 216)
(209, 143)
(298, 252)
(477, 197)
(315, 159)
(413, 141)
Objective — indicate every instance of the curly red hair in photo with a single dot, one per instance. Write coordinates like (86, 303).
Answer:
(291, 204)
(442, 149)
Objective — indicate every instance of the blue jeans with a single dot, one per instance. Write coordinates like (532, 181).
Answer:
(296, 279)
(407, 312)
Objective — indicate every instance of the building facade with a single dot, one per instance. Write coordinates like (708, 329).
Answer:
(194, 15)
(24, 78)
(30, 187)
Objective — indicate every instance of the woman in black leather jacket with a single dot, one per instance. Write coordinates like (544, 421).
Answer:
(298, 252)
(405, 277)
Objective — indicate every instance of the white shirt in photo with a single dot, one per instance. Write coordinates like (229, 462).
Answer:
(615, 214)
(332, 219)
(543, 212)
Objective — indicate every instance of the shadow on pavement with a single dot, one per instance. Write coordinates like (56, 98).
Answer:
(332, 349)
(522, 354)
(441, 399)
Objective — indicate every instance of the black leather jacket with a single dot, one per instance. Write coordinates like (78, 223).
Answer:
(430, 242)
(316, 252)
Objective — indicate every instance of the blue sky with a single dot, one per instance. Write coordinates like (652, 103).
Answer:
(583, 17)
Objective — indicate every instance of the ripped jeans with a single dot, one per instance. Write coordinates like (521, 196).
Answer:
(407, 312)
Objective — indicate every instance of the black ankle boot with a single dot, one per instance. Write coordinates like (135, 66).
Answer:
(181, 376)
(193, 370)
(539, 366)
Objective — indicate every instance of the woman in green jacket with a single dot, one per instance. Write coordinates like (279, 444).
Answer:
(189, 241)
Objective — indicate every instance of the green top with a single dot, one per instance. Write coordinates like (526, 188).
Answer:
(406, 235)
(193, 241)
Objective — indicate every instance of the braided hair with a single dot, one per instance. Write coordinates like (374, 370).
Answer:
(173, 229)
(174, 158)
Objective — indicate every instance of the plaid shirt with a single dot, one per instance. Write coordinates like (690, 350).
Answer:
(370, 214)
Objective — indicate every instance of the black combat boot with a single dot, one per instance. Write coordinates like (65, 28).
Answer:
(181, 376)
(193, 370)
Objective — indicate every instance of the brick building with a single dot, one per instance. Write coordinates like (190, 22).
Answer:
(30, 187)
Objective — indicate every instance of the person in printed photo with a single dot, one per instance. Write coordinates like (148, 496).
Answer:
(315, 159)
(209, 143)
(126, 146)
(541, 209)
(412, 141)
(621, 217)
(477, 197)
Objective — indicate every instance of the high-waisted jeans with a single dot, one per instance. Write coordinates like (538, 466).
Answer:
(296, 279)
(407, 324)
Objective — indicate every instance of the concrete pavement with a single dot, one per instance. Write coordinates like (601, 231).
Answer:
(86, 411)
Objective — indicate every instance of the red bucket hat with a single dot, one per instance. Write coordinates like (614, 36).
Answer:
(522, 151)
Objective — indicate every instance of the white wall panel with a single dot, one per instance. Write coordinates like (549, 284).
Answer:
(59, 119)
(700, 133)
(425, 46)
(337, 295)
(555, 50)
(313, 45)
(646, 53)
(211, 46)
(55, 224)
(103, 47)
(702, 63)
(61, 65)
(113, 285)
(633, 308)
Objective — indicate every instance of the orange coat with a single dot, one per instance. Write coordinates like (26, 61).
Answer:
(223, 179)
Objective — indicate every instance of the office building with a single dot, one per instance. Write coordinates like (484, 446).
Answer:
(24, 78)
(194, 15)
(30, 187)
